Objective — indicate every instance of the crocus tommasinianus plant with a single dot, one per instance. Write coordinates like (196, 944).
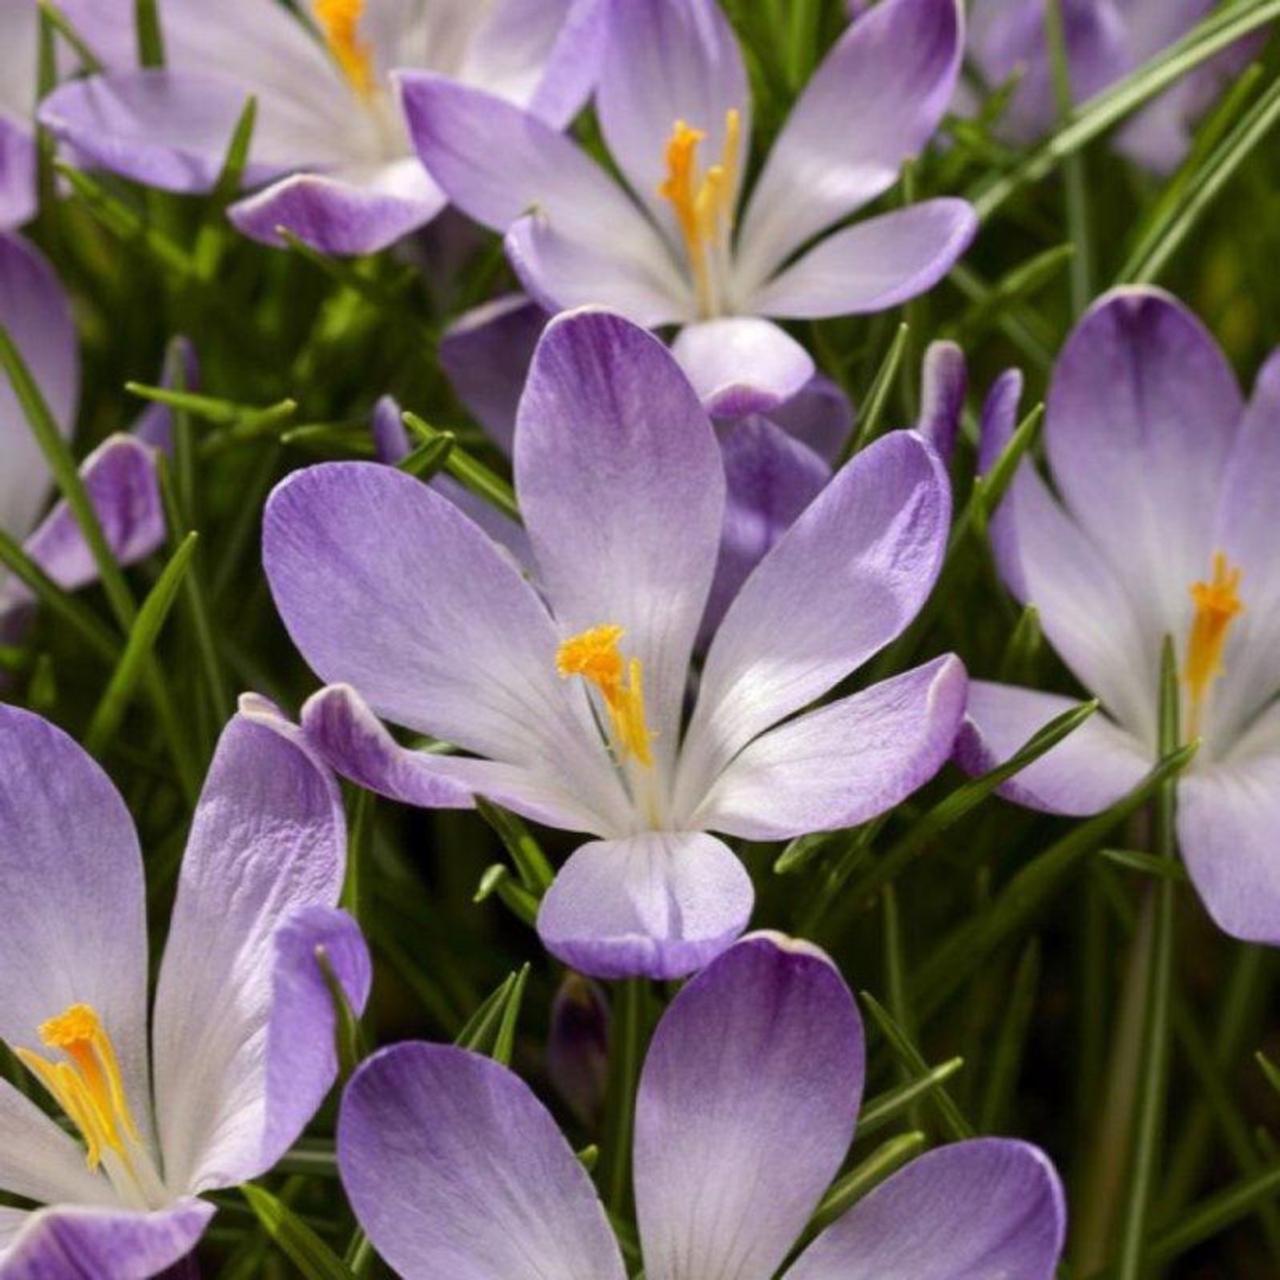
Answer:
(1166, 527)
(675, 109)
(242, 1034)
(329, 142)
(1105, 40)
(575, 692)
(745, 1111)
(119, 475)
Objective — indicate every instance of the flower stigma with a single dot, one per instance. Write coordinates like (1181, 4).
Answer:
(594, 655)
(704, 205)
(340, 22)
(1217, 604)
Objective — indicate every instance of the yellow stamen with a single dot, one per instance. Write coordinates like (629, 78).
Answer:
(594, 655)
(1217, 605)
(88, 1087)
(340, 22)
(704, 207)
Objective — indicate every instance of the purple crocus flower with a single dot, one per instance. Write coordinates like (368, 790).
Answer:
(1166, 526)
(745, 1111)
(330, 150)
(119, 474)
(241, 1045)
(1105, 40)
(667, 249)
(574, 694)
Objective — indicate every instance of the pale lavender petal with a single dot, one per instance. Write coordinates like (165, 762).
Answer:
(17, 174)
(386, 586)
(843, 581)
(658, 905)
(971, 1211)
(820, 416)
(771, 478)
(1084, 774)
(35, 311)
(61, 1243)
(622, 490)
(745, 1110)
(872, 265)
(354, 210)
(356, 743)
(669, 60)
(1142, 415)
(486, 356)
(845, 763)
(944, 383)
(268, 839)
(455, 1169)
(893, 73)
(71, 875)
(1228, 816)
(741, 364)
(497, 163)
(302, 1034)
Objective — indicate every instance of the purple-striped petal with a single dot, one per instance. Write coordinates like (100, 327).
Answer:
(842, 582)
(66, 1242)
(844, 764)
(740, 365)
(455, 1169)
(660, 904)
(268, 839)
(971, 1211)
(1085, 773)
(894, 72)
(745, 1110)
(622, 490)
(872, 265)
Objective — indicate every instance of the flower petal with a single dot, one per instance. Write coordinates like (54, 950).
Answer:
(842, 582)
(669, 60)
(385, 585)
(124, 1245)
(352, 210)
(894, 71)
(771, 478)
(71, 874)
(984, 1208)
(872, 265)
(622, 490)
(742, 364)
(268, 839)
(455, 1169)
(660, 904)
(843, 764)
(17, 174)
(35, 310)
(1228, 813)
(745, 1110)
(820, 416)
(1085, 773)
(1142, 414)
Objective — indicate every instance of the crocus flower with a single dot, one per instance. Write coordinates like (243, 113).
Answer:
(573, 694)
(1105, 40)
(745, 1111)
(329, 149)
(119, 475)
(1166, 527)
(667, 249)
(241, 1045)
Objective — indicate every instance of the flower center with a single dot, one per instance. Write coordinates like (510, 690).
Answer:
(594, 655)
(704, 205)
(88, 1087)
(1217, 605)
(340, 22)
